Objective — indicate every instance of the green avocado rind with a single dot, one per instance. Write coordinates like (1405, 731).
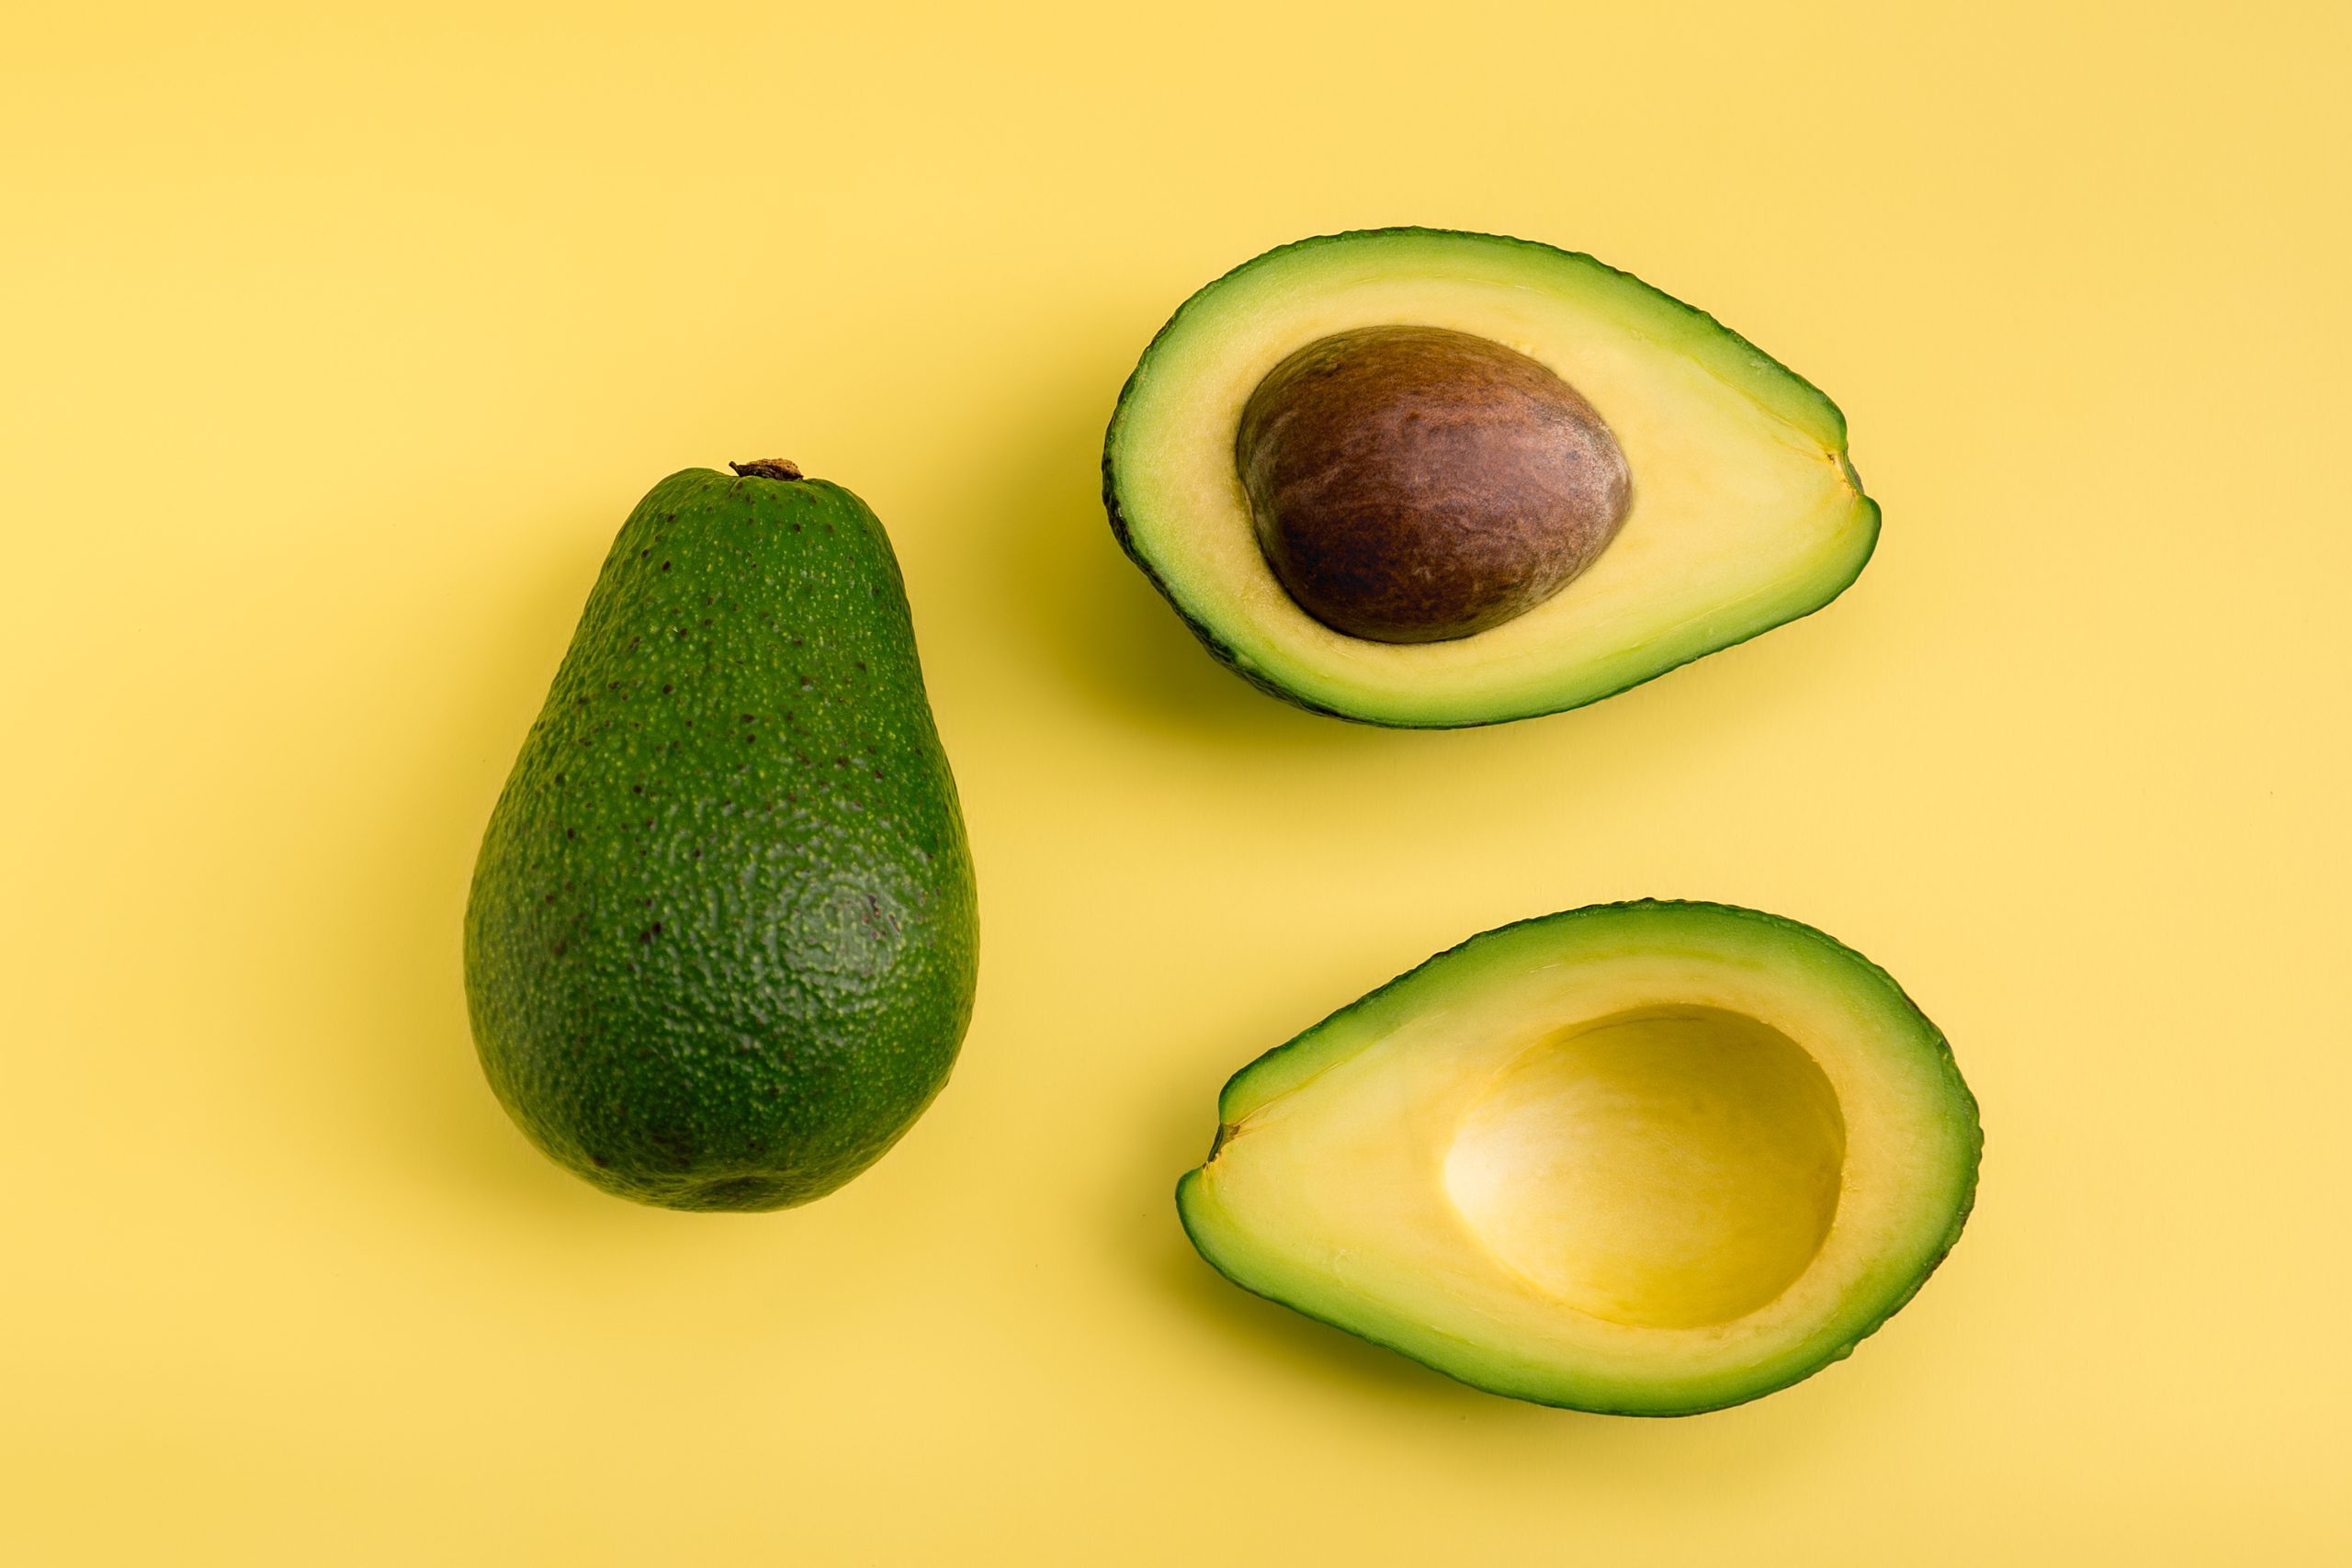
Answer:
(1226, 1245)
(721, 943)
(1699, 333)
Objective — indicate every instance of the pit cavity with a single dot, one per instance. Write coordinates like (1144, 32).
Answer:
(1665, 1167)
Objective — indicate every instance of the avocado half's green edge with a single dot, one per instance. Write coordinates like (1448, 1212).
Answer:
(1307, 1041)
(1225, 654)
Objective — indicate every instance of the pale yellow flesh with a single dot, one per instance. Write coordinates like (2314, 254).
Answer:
(1742, 505)
(1667, 1168)
(1653, 1170)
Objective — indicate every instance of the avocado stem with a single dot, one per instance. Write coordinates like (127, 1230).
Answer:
(768, 469)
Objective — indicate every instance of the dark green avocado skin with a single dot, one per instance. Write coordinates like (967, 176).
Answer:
(722, 939)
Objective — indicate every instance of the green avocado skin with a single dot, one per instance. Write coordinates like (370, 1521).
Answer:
(722, 939)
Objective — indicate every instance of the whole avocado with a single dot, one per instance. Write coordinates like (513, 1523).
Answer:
(722, 939)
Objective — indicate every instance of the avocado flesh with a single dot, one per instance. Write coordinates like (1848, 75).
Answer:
(1746, 512)
(721, 946)
(1646, 1158)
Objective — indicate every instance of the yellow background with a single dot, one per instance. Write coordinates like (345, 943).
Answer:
(335, 347)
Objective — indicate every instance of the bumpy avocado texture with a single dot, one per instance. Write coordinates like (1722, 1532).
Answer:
(722, 943)
(1648, 1159)
(1744, 511)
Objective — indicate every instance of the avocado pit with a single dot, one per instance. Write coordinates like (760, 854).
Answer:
(1418, 484)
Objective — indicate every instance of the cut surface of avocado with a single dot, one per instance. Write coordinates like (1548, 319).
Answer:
(1744, 510)
(1650, 1159)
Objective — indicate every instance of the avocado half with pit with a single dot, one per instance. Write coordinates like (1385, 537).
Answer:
(1650, 1159)
(1428, 478)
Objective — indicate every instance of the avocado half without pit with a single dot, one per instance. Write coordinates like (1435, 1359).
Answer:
(1648, 1159)
(1422, 478)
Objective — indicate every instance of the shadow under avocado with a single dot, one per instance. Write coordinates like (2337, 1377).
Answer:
(1083, 605)
(427, 1098)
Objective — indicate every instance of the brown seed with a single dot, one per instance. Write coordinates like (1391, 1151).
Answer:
(1413, 484)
